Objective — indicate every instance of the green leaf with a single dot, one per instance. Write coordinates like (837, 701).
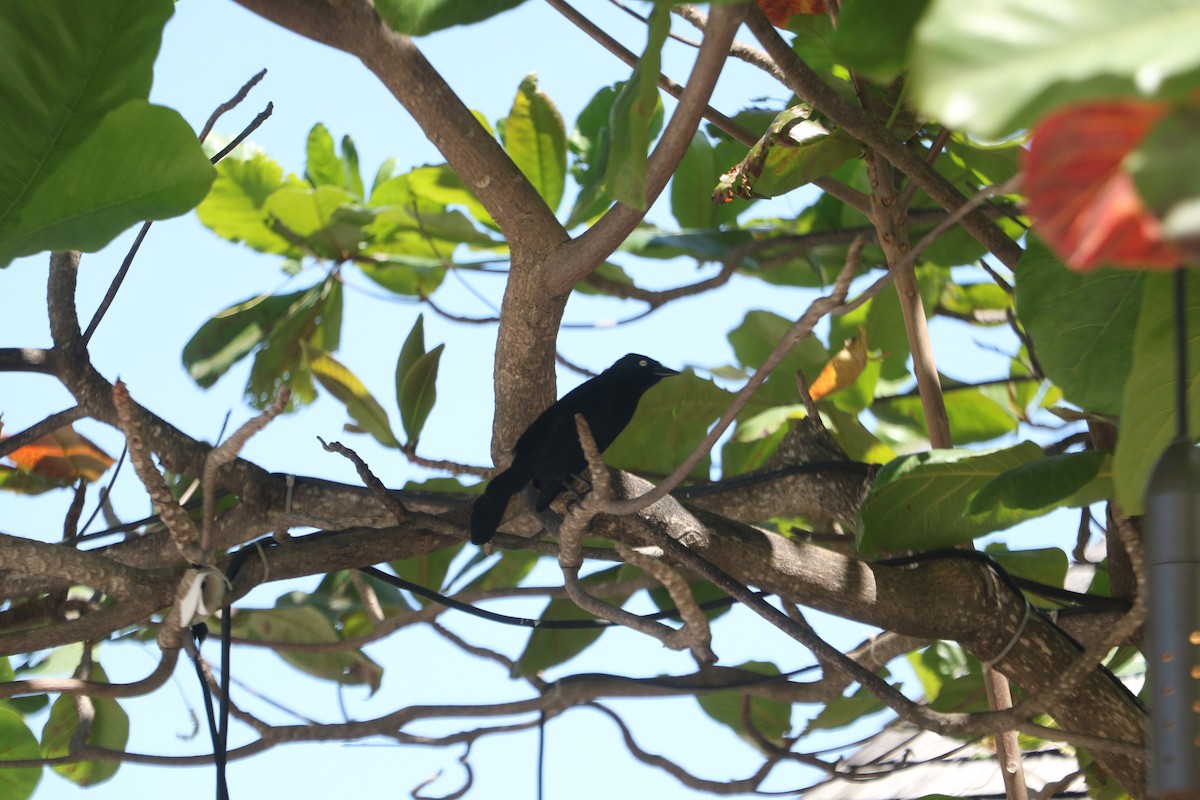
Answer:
(428, 570)
(235, 206)
(412, 349)
(973, 416)
(754, 339)
(233, 333)
(746, 451)
(691, 203)
(1072, 479)
(17, 743)
(350, 158)
(81, 151)
(845, 710)
(324, 168)
(671, 420)
(419, 393)
(952, 679)
(920, 502)
(441, 185)
(1082, 325)
(536, 140)
(629, 121)
(362, 407)
(110, 729)
(1166, 170)
(419, 17)
(1046, 565)
(771, 719)
(280, 360)
(814, 44)
(326, 218)
(794, 151)
(1148, 417)
(590, 143)
(550, 647)
(874, 36)
(995, 66)
(406, 275)
(305, 624)
(509, 570)
(140, 162)
(964, 299)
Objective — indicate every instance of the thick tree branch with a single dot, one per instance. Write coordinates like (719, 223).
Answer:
(574, 261)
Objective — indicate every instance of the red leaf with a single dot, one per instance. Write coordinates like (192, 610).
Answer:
(1083, 204)
(778, 11)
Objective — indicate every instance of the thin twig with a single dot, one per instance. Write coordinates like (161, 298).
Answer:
(226, 452)
(37, 430)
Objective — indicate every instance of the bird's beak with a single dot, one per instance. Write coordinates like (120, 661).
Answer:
(665, 372)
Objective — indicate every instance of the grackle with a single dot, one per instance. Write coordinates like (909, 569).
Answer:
(548, 454)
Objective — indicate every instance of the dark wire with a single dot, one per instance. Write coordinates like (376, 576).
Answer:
(525, 622)
(541, 757)
(221, 754)
(1181, 357)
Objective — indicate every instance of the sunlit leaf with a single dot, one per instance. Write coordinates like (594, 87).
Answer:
(973, 416)
(920, 502)
(17, 743)
(843, 369)
(794, 151)
(1075, 479)
(235, 332)
(63, 456)
(631, 115)
(362, 407)
(992, 67)
(419, 17)
(234, 208)
(82, 154)
(536, 140)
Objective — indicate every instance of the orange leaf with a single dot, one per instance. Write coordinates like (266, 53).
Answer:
(1083, 203)
(843, 369)
(62, 455)
(778, 11)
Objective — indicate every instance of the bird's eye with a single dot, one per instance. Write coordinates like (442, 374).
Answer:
(642, 363)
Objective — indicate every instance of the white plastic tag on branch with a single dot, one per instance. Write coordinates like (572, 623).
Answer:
(203, 596)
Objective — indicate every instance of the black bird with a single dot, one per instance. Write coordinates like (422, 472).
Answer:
(548, 454)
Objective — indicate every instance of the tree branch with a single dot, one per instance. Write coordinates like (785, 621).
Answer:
(572, 262)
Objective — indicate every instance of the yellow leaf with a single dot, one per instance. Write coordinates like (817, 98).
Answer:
(843, 369)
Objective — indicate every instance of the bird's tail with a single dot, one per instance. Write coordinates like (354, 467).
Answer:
(489, 507)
